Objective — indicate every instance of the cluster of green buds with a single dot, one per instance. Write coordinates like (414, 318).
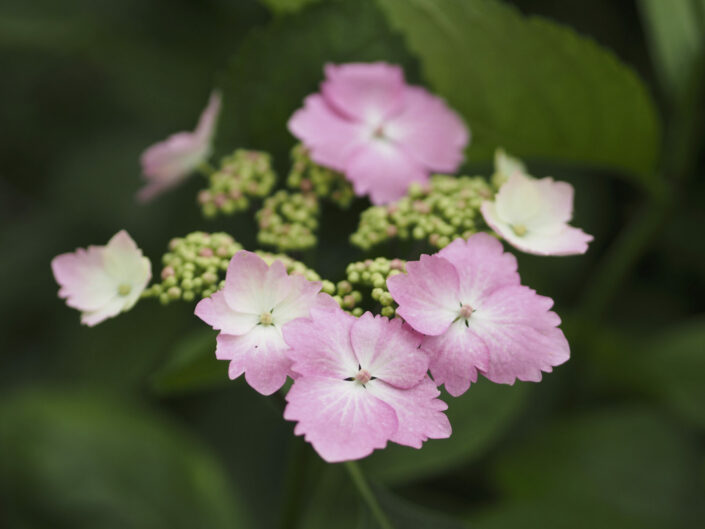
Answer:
(288, 221)
(243, 176)
(292, 265)
(439, 212)
(371, 276)
(347, 297)
(309, 177)
(194, 267)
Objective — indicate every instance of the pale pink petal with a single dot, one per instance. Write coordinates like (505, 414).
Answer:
(260, 354)
(124, 262)
(557, 198)
(341, 419)
(85, 284)
(521, 335)
(321, 345)
(456, 357)
(109, 310)
(215, 311)
(245, 283)
(330, 137)
(482, 266)
(388, 351)
(384, 171)
(427, 295)
(429, 131)
(167, 163)
(367, 92)
(302, 296)
(419, 412)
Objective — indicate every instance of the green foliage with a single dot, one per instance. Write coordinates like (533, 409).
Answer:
(83, 460)
(479, 419)
(631, 460)
(287, 6)
(676, 31)
(531, 85)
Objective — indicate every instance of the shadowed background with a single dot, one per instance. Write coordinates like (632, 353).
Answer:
(134, 424)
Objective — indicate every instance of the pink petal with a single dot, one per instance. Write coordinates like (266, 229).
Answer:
(341, 419)
(419, 412)
(428, 294)
(215, 311)
(429, 131)
(330, 137)
(253, 287)
(321, 346)
(166, 164)
(482, 266)
(302, 296)
(521, 335)
(85, 284)
(364, 92)
(456, 357)
(388, 351)
(260, 354)
(384, 171)
(109, 310)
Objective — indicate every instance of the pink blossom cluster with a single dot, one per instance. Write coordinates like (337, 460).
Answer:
(359, 383)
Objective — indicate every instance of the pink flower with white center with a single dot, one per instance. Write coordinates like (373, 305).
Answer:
(102, 281)
(362, 383)
(380, 132)
(167, 163)
(250, 311)
(477, 317)
(532, 215)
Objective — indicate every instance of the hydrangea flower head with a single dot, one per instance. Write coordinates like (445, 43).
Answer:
(532, 215)
(380, 132)
(250, 311)
(362, 383)
(102, 281)
(167, 163)
(477, 317)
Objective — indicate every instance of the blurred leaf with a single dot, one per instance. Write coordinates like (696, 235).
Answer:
(83, 460)
(478, 418)
(280, 7)
(336, 503)
(531, 85)
(675, 359)
(191, 366)
(575, 513)
(629, 459)
(676, 36)
(280, 64)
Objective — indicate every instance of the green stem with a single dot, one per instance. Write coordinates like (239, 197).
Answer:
(206, 169)
(358, 478)
(294, 485)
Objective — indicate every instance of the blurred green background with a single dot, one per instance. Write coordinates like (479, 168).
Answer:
(134, 424)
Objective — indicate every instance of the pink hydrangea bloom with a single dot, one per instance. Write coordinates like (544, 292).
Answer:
(532, 215)
(362, 383)
(380, 132)
(250, 311)
(102, 281)
(167, 163)
(477, 317)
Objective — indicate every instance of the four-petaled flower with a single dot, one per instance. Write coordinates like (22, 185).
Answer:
(168, 163)
(250, 311)
(532, 215)
(477, 317)
(102, 281)
(380, 132)
(362, 382)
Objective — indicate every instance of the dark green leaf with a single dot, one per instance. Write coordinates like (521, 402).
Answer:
(280, 7)
(82, 460)
(478, 418)
(531, 85)
(629, 459)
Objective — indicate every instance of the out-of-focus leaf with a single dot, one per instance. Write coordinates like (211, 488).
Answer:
(676, 36)
(404, 514)
(574, 513)
(630, 459)
(531, 85)
(675, 359)
(277, 66)
(478, 418)
(83, 460)
(192, 366)
(287, 6)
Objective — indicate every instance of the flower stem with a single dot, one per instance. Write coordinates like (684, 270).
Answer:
(358, 478)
